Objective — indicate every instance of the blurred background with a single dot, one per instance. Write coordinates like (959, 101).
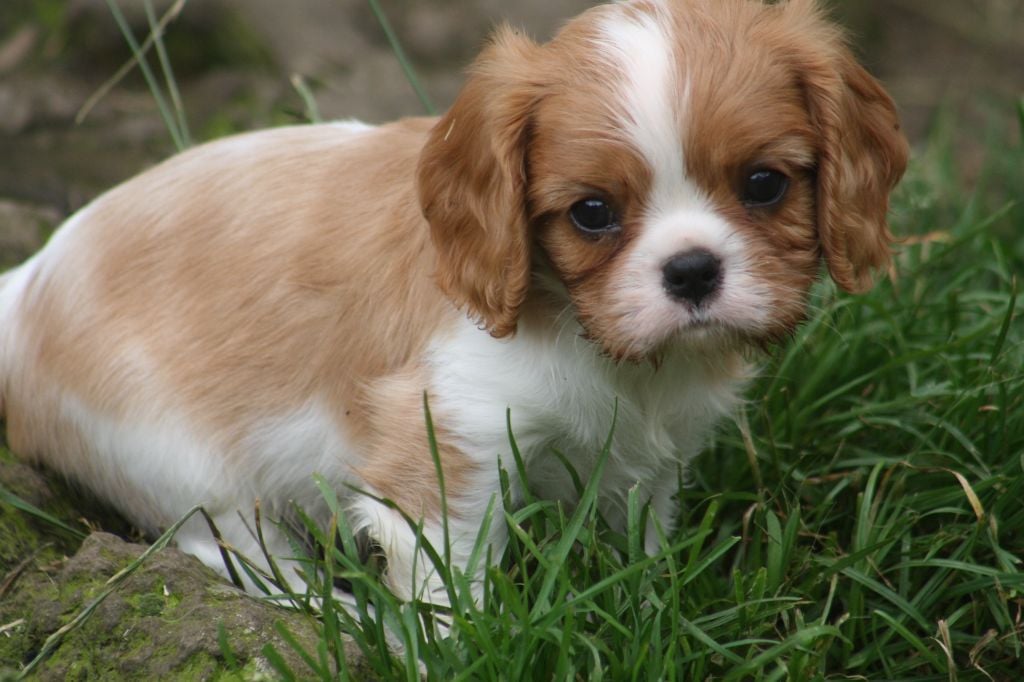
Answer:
(955, 67)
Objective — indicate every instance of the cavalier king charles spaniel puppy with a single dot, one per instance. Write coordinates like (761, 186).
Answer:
(589, 241)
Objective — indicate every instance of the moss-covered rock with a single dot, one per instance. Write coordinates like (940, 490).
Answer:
(163, 623)
(166, 621)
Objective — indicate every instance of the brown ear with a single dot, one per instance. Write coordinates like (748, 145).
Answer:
(472, 184)
(863, 155)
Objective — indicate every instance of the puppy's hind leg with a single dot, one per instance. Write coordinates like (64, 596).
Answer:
(242, 545)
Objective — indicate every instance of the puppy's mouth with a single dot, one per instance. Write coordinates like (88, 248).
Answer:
(702, 328)
(700, 318)
(703, 335)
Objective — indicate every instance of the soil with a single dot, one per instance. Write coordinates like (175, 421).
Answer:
(233, 61)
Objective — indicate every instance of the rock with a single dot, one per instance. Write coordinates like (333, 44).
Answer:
(449, 34)
(53, 161)
(162, 623)
(25, 101)
(15, 49)
(23, 230)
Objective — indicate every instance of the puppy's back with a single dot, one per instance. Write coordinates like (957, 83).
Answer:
(220, 288)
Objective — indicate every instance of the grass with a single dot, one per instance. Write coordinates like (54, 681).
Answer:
(861, 519)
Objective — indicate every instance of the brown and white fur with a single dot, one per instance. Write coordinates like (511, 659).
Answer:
(276, 304)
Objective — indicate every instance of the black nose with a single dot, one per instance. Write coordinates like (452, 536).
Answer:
(692, 276)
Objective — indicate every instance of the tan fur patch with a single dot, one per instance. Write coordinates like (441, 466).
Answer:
(472, 185)
(241, 313)
(398, 462)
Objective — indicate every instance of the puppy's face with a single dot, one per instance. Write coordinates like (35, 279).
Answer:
(681, 167)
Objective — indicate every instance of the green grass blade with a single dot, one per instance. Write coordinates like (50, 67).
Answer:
(156, 31)
(403, 60)
(154, 86)
(7, 497)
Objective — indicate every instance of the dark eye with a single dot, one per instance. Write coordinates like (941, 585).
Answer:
(593, 215)
(764, 187)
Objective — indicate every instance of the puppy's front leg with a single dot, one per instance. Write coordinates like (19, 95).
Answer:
(397, 465)
(664, 508)
(473, 539)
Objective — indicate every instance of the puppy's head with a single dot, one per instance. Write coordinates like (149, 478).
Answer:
(681, 167)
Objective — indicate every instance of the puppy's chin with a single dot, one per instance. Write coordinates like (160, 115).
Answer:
(702, 335)
(699, 339)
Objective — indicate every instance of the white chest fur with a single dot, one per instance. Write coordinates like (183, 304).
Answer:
(563, 396)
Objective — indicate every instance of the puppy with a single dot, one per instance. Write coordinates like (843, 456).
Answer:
(601, 225)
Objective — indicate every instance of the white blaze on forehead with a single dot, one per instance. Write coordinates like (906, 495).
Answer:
(651, 104)
(651, 96)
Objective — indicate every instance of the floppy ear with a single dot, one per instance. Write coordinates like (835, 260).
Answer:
(472, 184)
(862, 156)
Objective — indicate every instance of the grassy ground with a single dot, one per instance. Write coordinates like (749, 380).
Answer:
(861, 520)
